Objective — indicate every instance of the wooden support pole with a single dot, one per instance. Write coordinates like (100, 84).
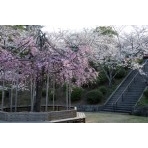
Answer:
(31, 93)
(69, 94)
(47, 90)
(11, 99)
(53, 91)
(16, 92)
(3, 91)
(67, 90)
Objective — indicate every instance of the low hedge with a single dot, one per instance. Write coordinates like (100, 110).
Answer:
(121, 73)
(94, 96)
(6, 94)
(146, 93)
(76, 94)
(103, 89)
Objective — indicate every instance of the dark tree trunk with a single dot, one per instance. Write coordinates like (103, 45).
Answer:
(37, 105)
(39, 87)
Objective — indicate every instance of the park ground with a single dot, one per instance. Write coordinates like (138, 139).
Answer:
(101, 117)
(104, 117)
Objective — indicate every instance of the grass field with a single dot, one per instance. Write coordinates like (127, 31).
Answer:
(102, 117)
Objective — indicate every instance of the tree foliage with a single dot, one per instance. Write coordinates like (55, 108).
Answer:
(106, 30)
(33, 56)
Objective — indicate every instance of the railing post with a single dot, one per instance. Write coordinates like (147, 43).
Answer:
(122, 97)
(116, 106)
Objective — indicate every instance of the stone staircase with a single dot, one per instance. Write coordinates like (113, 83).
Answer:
(125, 97)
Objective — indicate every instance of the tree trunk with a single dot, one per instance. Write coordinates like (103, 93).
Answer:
(67, 90)
(31, 93)
(39, 87)
(37, 105)
(110, 83)
(47, 90)
(69, 94)
(11, 99)
(16, 92)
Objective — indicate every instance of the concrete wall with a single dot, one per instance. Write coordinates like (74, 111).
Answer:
(37, 116)
(27, 116)
(89, 108)
(3, 115)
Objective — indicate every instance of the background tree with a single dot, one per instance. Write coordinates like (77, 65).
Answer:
(107, 54)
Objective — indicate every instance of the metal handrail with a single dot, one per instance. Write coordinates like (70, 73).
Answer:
(142, 92)
(140, 98)
(125, 90)
(118, 87)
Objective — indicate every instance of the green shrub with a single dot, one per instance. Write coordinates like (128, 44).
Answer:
(94, 97)
(103, 89)
(93, 84)
(44, 93)
(121, 73)
(102, 78)
(51, 95)
(64, 87)
(93, 65)
(6, 94)
(146, 93)
(76, 94)
(139, 61)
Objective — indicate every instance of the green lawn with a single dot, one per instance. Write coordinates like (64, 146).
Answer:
(100, 117)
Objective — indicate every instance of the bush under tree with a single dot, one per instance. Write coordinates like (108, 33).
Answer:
(6, 94)
(76, 94)
(94, 96)
(121, 73)
(102, 78)
(146, 93)
(103, 89)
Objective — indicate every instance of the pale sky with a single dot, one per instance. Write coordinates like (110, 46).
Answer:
(79, 14)
(75, 14)
(74, 27)
(56, 28)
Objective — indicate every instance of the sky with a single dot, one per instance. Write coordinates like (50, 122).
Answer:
(74, 14)
(56, 28)
(78, 14)
(78, 27)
